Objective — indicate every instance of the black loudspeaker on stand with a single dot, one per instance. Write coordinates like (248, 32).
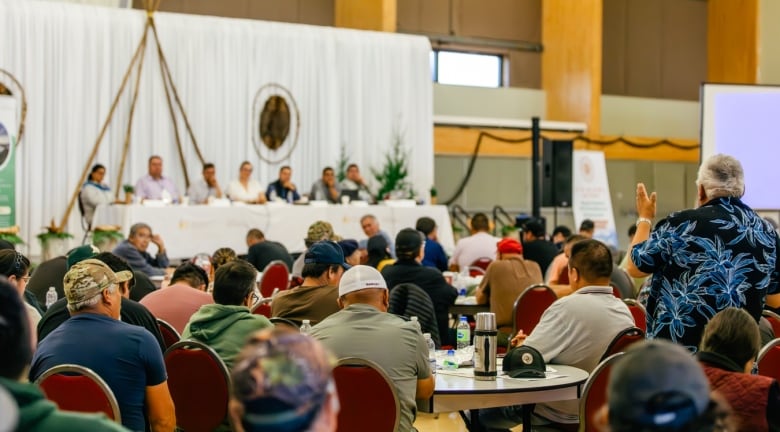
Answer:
(556, 173)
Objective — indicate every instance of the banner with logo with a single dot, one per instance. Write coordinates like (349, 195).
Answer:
(8, 129)
(590, 195)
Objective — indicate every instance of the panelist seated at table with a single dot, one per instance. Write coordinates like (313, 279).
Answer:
(283, 189)
(94, 192)
(575, 331)
(326, 188)
(246, 189)
(354, 182)
(155, 186)
(133, 250)
(206, 188)
(364, 329)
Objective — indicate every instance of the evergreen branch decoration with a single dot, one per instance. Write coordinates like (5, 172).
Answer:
(11, 235)
(392, 176)
(52, 232)
(101, 236)
(342, 164)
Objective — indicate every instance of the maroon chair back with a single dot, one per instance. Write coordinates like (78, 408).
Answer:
(482, 263)
(199, 384)
(169, 334)
(355, 378)
(768, 359)
(476, 271)
(616, 291)
(296, 281)
(594, 393)
(263, 307)
(275, 276)
(623, 340)
(773, 319)
(62, 382)
(530, 305)
(638, 312)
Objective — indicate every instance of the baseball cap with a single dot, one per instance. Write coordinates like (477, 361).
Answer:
(81, 253)
(360, 277)
(90, 277)
(510, 245)
(657, 383)
(325, 252)
(524, 362)
(408, 240)
(319, 231)
(348, 246)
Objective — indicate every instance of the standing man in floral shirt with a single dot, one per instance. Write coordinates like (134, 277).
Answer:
(719, 255)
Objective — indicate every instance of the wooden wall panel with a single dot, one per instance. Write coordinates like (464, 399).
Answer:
(498, 19)
(614, 47)
(424, 16)
(525, 69)
(318, 12)
(732, 41)
(378, 15)
(643, 48)
(683, 57)
(271, 10)
(315, 12)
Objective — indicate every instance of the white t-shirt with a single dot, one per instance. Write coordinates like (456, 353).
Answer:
(470, 249)
(236, 191)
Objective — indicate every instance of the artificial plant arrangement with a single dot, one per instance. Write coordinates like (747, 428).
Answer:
(392, 177)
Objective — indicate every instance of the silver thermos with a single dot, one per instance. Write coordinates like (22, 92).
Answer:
(485, 341)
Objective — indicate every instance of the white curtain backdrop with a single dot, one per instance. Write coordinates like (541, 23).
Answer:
(353, 89)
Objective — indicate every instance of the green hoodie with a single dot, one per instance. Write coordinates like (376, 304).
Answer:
(224, 328)
(37, 414)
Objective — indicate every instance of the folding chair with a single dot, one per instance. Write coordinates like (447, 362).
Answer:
(773, 319)
(61, 383)
(530, 305)
(639, 313)
(623, 340)
(169, 334)
(594, 393)
(482, 263)
(355, 378)
(276, 277)
(263, 307)
(768, 359)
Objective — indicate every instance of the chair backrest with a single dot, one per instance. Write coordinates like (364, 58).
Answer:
(530, 305)
(594, 393)
(276, 276)
(279, 321)
(623, 340)
(355, 378)
(482, 263)
(199, 384)
(616, 291)
(408, 300)
(476, 271)
(768, 359)
(773, 319)
(169, 334)
(62, 382)
(638, 312)
(263, 307)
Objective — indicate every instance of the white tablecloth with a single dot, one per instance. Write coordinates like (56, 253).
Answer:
(188, 230)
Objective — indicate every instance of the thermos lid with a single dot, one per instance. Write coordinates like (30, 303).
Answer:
(486, 321)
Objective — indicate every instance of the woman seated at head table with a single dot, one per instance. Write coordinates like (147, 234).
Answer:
(246, 189)
(95, 192)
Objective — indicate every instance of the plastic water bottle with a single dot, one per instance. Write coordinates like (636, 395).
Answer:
(461, 296)
(306, 327)
(416, 323)
(431, 352)
(464, 333)
(272, 195)
(51, 297)
(450, 362)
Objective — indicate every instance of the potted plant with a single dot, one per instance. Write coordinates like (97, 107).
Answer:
(54, 241)
(106, 237)
(434, 193)
(392, 177)
(129, 191)
(11, 235)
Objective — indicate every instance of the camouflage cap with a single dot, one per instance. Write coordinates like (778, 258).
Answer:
(319, 231)
(90, 277)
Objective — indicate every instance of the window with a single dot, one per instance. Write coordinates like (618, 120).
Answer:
(460, 68)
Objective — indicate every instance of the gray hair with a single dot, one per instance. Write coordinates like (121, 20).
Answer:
(137, 227)
(84, 304)
(721, 176)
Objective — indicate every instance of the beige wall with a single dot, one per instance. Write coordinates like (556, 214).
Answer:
(510, 103)
(769, 42)
(645, 117)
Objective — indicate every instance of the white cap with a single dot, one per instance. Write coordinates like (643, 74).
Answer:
(361, 277)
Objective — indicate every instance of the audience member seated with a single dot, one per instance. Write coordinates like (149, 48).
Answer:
(283, 380)
(559, 236)
(16, 267)
(315, 298)
(408, 270)
(326, 188)
(155, 186)
(95, 338)
(656, 386)
(479, 244)
(587, 227)
(177, 302)
(575, 330)
(262, 251)
(558, 272)
(318, 231)
(283, 189)
(370, 225)
(134, 251)
(36, 413)
(225, 324)
(354, 182)
(351, 253)
(378, 252)
(729, 347)
(131, 312)
(206, 188)
(364, 329)
(434, 252)
(536, 247)
(246, 189)
(504, 280)
(94, 192)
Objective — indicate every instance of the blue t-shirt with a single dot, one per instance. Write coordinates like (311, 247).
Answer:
(434, 255)
(127, 357)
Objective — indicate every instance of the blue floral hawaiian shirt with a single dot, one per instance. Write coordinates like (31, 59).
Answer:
(702, 261)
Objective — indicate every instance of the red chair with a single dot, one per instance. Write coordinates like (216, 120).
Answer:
(616, 291)
(768, 359)
(355, 378)
(276, 276)
(623, 340)
(476, 271)
(169, 334)
(594, 393)
(530, 305)
(263, 307)
(296, 281)
(638, 312)
(61, 383)
(482, 263)
(773, 319)
(199, 384)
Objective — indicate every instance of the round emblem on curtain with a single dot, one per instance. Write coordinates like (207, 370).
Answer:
(10, 86)
(276, 123)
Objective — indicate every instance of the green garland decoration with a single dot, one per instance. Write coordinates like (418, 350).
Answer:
(45, 237)
(99, 236)
(11, 238)
(342, 164)
(392, 176)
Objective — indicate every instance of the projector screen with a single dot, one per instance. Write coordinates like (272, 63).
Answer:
(744, 121)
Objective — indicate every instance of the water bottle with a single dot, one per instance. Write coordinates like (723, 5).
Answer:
(464, 333)
(51, 297)
(461, 296)
(272, 195)
(450, 362)
(431, 352)
(306, 327)
(416, 323)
